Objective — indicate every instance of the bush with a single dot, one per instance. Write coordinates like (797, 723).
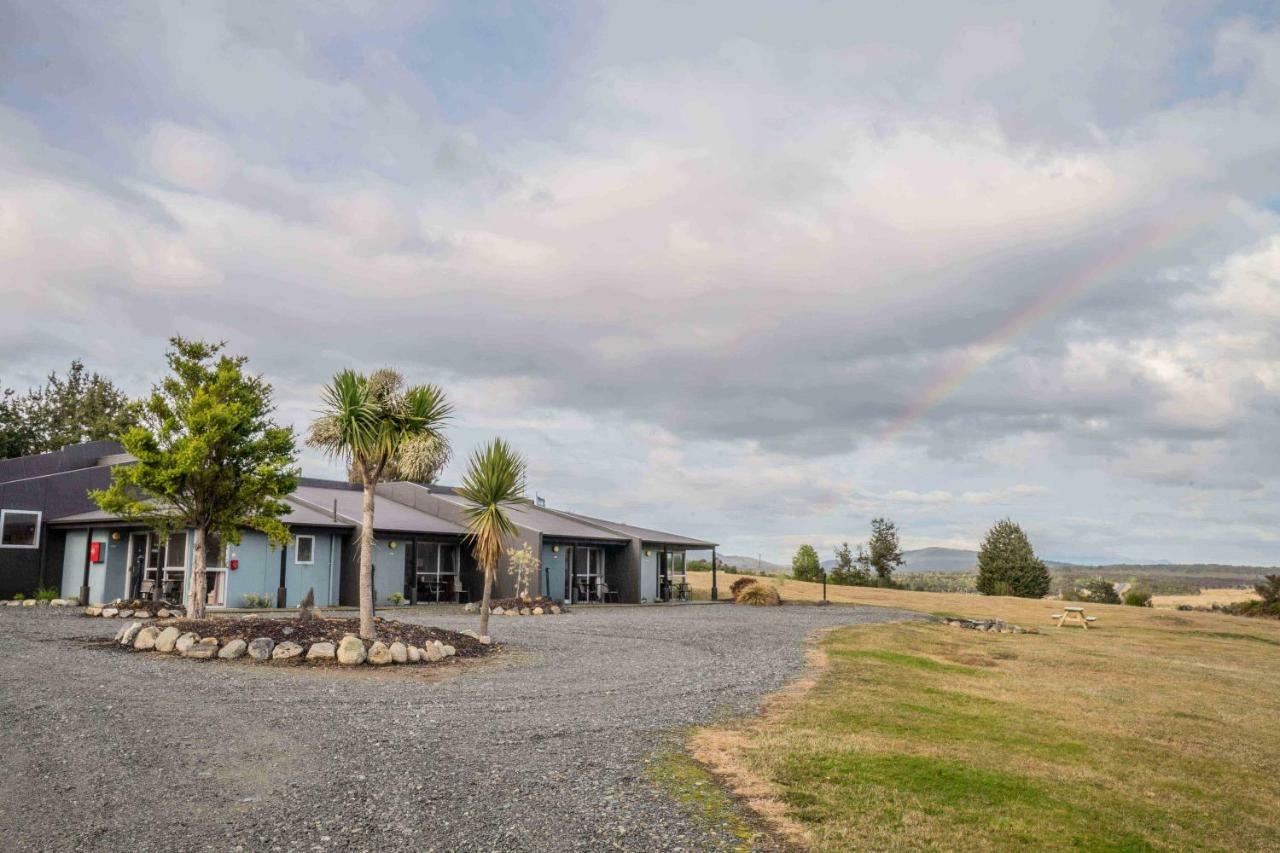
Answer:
(1007, 564)
(758, 595)
(251, 600)
(396, 597)
(1137, 597)
(739, 585)
(17, 596)
(47, 593)
(1102, 592)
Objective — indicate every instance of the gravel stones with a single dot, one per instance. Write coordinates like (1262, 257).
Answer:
(167, 638)
(322, 651)
(261, 648)
(351, 651)
(146, 639)
(232, 650)
(286, 651)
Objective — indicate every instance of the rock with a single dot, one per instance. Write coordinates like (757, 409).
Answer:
(146, 639)
(59, 602)
(399, 654)
(555, 610)
(471, 608)
(162, 613)
(286, 631)
(120, 634)
(30, 602)
(525, 611)
(232, 650)
(141, 614)
(415, 654)
(379, 653)
(322, 651)
(202, 650)
(166, 639)
(286, 651)
(107, 612)
(538, 611)
(126, 613)
(351, 650)
(448, 651)
(126, 639)
(497, 611)
(431, 654)
(261, 648)
(472, 634)
(185, 642)
(485, 640)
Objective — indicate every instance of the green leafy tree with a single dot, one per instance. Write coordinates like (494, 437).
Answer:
(1102, 591)
(846, 571)
(209, 457)
(805, 565)
(1007, 565)
(883, 553)
(493, 485)
(16, 435)
(377, 426)
(78, 407)
(1268, 589)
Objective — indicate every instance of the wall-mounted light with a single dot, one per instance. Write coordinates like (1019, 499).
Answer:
(555, 549)
(115, 536)
(648, 552)
(392, 545)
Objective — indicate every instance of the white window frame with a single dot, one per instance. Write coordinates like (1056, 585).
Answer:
(168, 556)
(298, 538)
(4, 513)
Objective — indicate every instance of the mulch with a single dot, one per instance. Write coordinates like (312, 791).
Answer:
(322, 629)
(508, 603)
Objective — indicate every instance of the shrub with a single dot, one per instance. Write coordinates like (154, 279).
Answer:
(396, 597)
(1269, 589)
(758, 595)
(739, 585)
(47, 593)
(251, 600)
(1136, 596)
(17, 596)
(1102, 592)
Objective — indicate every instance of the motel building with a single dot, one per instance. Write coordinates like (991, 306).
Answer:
(53, 534)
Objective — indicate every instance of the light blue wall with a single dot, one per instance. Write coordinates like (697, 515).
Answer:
(649, 574)
(388, 568)
(106, 579)
(299, 577)
(553, 568)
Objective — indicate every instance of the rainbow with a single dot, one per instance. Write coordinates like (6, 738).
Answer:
(1153, 237)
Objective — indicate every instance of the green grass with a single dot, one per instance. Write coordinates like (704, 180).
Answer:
(696, 790)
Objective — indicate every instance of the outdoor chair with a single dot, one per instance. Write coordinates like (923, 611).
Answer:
(460, 595)
(607, 594)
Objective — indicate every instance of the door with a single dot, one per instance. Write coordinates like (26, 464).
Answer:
(138, 548)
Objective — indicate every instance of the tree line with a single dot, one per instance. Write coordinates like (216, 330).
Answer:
(1007, 564)
(70, 408)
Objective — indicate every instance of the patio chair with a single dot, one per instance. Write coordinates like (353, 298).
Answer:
(459, 594)
(584, 591)
(607, 594)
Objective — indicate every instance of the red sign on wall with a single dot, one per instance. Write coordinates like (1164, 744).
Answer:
(95, 552)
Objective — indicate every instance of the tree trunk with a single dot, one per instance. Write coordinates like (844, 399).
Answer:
(198, 594)
(366, 564)
(484, 602)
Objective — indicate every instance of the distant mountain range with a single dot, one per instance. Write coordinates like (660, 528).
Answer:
(962, 560)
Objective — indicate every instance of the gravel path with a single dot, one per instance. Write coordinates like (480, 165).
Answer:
(539, 749)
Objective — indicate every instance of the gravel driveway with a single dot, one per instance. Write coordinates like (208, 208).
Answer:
(539, 749)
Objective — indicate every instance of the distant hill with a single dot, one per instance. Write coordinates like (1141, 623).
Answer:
(932, 560)
(751, 563)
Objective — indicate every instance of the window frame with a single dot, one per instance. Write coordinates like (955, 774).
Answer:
(168, 554)
(4, 513)
(298, 537)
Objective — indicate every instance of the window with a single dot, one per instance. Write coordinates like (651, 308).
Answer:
(304, 550)
(19, 528)
(214, 550)
(175, 551)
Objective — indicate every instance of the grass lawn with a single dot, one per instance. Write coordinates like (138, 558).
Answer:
(1155, 730)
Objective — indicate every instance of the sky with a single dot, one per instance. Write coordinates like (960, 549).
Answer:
(748, 271)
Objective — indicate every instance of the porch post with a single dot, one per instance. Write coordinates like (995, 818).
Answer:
(411, 568)
(84, 587)
(281, 592)
(715, 591)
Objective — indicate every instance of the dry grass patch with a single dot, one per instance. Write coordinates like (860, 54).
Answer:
(1151, 732)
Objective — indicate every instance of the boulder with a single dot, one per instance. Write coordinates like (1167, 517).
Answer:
(167, 638)
(415, 654)
(379, 653)
(185, 642)
(472, 634)
(202, 650)
(261, 648)
(448, 651)
(286, 651)
(120, 634)
(431, 654)
(30, 602)
(322, 651)
(472, 607)
(141, 614)
(232, 650)
(162, 613)
(107, 612)
(59, 602)
(146, 639)
(126, 613)
(399, 654)
(351, 650)
(497, 611)
(126, 639)
(537, 611)
(525, 611)
(555, 610)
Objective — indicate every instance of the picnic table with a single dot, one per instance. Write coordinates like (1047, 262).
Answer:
(1073, 616)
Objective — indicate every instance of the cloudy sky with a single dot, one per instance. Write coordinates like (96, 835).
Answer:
(750, 271)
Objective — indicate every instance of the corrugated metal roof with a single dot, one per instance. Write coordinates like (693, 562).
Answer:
(552, 524)
(93, 516)
(388, 515)
(301, 515)
(644, 534)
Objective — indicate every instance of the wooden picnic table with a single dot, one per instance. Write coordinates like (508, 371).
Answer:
(1073, 616)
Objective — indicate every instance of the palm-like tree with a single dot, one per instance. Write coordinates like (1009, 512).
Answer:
(494, 482)
(378, 426)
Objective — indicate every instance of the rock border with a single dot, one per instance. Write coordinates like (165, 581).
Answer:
(994, 626)
(351, 651)
(536, 610)
(32, 602)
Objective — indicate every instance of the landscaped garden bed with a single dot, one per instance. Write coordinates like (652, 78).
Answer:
(539, 606)
(317, 640)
